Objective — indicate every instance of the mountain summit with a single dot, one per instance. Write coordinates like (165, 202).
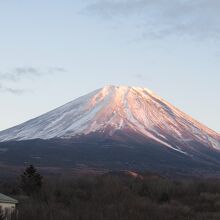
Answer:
(115, 127)
(114, 109)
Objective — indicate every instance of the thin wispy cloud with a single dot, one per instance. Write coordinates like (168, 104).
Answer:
(139, 76)
(5, 89)
(162, 18)
(143, 77)
(21, 73)
(24, 73)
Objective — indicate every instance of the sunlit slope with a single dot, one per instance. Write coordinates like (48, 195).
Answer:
(118, 108)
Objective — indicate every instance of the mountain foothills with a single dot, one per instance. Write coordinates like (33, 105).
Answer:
(116, 127)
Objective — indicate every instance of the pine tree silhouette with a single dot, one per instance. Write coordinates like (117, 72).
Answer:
(31, 181)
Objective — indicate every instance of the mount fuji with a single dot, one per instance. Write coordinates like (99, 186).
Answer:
(115, 127)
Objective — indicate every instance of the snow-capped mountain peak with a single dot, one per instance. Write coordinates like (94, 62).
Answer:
(118, 108)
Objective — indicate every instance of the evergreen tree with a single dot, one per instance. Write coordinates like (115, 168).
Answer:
(31, 181)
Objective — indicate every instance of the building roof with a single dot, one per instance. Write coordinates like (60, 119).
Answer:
(7, 199)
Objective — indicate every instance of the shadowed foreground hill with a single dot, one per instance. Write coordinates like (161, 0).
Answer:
(121, 196)
(100, 153)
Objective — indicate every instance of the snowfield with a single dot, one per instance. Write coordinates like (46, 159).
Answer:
(114, 108)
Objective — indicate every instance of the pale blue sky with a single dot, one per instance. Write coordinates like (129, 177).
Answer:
(51, 52)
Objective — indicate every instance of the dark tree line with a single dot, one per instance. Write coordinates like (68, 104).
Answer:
(114, 196)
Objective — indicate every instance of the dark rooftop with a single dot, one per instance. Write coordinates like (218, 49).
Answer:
(7, 199)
